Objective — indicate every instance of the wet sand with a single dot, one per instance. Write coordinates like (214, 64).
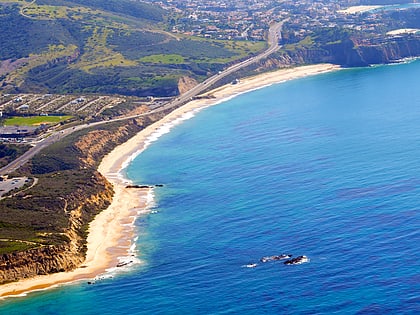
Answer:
(112, 232)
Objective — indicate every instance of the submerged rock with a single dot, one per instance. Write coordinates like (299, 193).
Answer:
(276, 257)
(297, 261)
(137, 186)
(124, 263)
(253, 265)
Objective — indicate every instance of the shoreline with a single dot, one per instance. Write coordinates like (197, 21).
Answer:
(111, 233)
(360, 9)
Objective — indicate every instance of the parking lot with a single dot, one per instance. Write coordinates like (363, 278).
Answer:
(7, 185)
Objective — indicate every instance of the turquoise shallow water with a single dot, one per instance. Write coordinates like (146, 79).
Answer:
(325, 166)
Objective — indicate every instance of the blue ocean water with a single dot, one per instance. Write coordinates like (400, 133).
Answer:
(325, 166)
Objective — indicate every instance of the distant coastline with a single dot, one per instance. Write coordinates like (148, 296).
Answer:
(112, 232)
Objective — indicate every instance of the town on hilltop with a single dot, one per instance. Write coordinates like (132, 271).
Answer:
(250, 19)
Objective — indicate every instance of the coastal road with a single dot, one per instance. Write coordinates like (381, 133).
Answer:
(273, 38)
(274, 35)
(37, 147)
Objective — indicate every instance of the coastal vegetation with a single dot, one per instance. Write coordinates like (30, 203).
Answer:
(126, 47)
(9, 246)
(111, 47)
(9, 152)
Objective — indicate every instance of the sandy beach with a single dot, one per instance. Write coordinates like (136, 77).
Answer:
(359, 9)
(111, 233)
(402, 31)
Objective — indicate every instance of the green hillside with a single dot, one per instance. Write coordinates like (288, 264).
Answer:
(94, 46)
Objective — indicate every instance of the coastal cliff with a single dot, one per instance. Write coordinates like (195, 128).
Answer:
(49, 222)
(39, 261)
(346, 51)
(350, 52)
(397, 49)
(69, 252)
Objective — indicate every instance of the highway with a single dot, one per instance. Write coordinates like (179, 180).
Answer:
(38, 146)
(274, 35)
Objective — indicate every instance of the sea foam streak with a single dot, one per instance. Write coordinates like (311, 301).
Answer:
(126, 262)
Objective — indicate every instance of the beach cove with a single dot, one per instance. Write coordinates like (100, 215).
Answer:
(111, 234)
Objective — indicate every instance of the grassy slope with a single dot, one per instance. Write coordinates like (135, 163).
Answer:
(98, 46)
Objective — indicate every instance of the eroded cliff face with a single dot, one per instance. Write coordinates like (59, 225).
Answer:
(185, 84)
(79, 207)
(38, 261)
(390, 51)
